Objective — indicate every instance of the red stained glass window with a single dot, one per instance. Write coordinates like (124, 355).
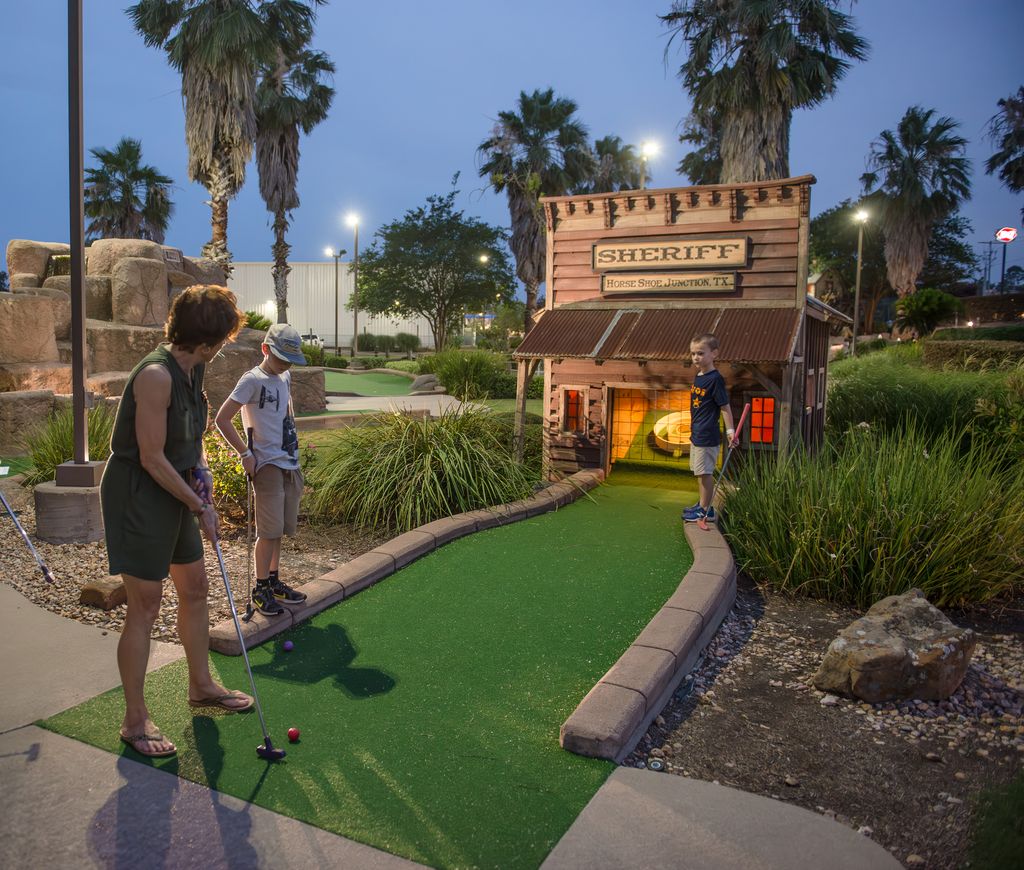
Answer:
(573, 415)
(762, 420)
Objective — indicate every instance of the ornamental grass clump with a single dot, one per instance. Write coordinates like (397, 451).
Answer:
(53, 441)
(399, 472)
(469, 374)
(879, 513)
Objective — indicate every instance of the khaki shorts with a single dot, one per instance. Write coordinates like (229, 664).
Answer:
(278, 493)
(703, 459)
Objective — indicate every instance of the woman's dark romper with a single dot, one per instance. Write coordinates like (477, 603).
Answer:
(147, 528)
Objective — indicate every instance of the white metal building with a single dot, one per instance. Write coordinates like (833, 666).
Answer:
(311, 302)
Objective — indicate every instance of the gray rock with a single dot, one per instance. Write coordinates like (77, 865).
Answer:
(902, 648)
(424, 383)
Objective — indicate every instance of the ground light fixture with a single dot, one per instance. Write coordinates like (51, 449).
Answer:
(861, 217)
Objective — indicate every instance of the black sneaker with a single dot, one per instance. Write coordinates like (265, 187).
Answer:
(285, 594)
(264, 601)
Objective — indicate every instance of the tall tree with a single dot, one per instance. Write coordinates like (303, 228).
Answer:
(291, 96)
(951, 260)
(217, 47)
(703, 164)
(918, 175)
(616, 167)
(540, 149)
(124, 198)
(752, 63)
(1006, 131)
(435, 263)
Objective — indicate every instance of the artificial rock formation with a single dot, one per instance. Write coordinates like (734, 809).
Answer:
(902, 648)
(97, 294)
(27, 329)
(138, 291)
(25, 257)
(103, 255)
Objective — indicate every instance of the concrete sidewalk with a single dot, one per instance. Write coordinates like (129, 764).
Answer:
(68, 804)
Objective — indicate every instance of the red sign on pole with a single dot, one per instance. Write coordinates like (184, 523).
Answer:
(1006, 234)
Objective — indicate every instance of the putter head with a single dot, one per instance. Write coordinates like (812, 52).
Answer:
(267, 752)
(47, 574)
(703, 523)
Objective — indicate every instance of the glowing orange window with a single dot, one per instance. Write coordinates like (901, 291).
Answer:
(573, 416)
(762, 420)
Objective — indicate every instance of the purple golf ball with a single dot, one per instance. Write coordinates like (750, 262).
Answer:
(288, 646)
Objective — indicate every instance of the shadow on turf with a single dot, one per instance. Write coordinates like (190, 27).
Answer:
(322, 652)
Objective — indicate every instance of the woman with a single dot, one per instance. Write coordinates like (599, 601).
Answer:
(153, 512)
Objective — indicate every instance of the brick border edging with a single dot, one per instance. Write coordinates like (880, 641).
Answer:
(365, 570)
(616, 713)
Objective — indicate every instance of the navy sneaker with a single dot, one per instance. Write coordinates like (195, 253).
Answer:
(693, 513)
(264, 601)
(284, 593)
(690, 509)
(696, 516)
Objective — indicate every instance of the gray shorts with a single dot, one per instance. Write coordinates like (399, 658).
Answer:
(704, 459)
(278, 493)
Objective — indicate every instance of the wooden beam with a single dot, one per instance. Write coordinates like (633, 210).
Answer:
(524, 372)
(772, 388)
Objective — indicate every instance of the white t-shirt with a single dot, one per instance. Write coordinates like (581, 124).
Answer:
(266, 407)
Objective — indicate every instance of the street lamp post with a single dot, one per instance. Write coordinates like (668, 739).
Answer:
(860, 217)
(647, 151)
(337, 256)
(353, 221)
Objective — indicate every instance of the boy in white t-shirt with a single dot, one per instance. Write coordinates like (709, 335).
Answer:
(263, 395)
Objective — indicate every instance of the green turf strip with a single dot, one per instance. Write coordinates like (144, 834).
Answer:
(370, 384)
(430, 703)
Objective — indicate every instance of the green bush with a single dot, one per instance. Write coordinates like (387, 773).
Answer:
(333, 361)
(255, 320)
(1000, 417)
(314, 354)
(535, 389)
(407, 343)
(368, 362)
(403, 365)
(1013, 332)
(503, 386)
(229, 484)
(467, 375)
(400, 472)
(58, 264)
(385, 344)
(368, 343)
(926, 309)
(879, 514)
(52, 442)
(972, 355)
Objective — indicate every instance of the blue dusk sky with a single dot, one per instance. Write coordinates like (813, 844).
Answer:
(419, 86)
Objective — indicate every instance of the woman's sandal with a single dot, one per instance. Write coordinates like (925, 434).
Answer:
(221, 702)
(133, 740)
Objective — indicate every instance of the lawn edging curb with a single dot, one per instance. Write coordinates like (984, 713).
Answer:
(616, 713)
(365, 570)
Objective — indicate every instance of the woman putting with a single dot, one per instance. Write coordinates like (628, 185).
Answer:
(152, 516)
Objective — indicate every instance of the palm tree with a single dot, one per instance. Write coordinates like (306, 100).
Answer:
(125, 199)
(539, 150)
(702, 165)
(617, 167)
(217, 46)
(291, 96)
(1006, 130)
(917, 176)
(753, 63)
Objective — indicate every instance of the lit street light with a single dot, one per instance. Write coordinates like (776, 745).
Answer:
(353, 221)
(647, 151)
(861, 218)
(337, 256)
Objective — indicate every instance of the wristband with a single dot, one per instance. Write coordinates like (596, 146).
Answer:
(730, 431)
(245, 455)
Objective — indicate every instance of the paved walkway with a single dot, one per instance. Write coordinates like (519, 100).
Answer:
(67, 804)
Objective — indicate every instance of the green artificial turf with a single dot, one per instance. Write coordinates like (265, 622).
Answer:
(370, 384)
(17, 464)
(430, 703)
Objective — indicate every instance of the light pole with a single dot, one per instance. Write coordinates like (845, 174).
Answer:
(337, 256)
(860, 217)
(647, 151)
(353, 221)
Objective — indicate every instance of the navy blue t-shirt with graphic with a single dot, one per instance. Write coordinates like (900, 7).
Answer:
(707, 395)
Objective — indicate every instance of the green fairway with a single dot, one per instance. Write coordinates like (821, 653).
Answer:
(505, 406)
(17, 464)
(430, 703)
(371, 384)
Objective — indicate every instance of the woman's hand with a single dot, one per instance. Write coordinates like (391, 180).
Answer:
(202, 483)
(209, 523)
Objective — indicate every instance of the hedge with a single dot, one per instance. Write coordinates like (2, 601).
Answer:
(938, 354)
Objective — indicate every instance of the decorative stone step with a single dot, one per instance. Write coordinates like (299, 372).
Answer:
(53, 376)
(107, 383)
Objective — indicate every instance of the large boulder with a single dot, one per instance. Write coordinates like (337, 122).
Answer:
(27, 329)
(53, 376)
(61, 302)
(97, 293)
(105, 254)
(19, 412)
(107, 383)
(23, 280)
(117, 347)
(138, 291)
(204, 271)
(902, 648)
(308, 389)
(31, 257)
(223, 373)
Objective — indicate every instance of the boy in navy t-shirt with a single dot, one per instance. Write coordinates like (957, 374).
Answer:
(708, 398)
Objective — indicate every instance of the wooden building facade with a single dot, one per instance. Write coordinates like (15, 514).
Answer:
(632, 276)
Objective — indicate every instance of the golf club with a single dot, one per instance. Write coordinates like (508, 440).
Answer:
(47, 573)
(733, 443)
(248, 537)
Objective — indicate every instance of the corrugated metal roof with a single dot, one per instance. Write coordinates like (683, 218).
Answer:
(752, 335)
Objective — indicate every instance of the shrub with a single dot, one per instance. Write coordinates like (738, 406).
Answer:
(503, 386)
(333, 361)
(879, 514)
(229, 484)
(255, 320)
(514, 341)
(1000, 418)
(58, 264)
(53, 441)
(972, 355)
(407, 343)
(314, 354)
(368, 343)
(1013, 332)
(367, 362)
(403, 365)
(926, 309)
(385, 344)
(535, 389)
(402, 472)
(467, 374)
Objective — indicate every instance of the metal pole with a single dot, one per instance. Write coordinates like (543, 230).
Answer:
(1002, 276)
(77, 231)
(355, 296)
(337, 338)
(856, 291)
(643, 171)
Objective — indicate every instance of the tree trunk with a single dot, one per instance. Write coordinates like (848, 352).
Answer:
(906, 249)
(755, 144)
(531, 306)
(281, 268)
(219, 187)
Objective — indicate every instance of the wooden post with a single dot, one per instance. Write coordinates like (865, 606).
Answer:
(524, 372)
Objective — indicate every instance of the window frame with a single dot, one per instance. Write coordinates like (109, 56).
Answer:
(761, 445)
(563, 416)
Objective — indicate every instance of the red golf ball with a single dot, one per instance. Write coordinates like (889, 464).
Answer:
(293, 734)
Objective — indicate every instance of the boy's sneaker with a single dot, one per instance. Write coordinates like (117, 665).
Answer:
(699, 514)
(264, 601)
(691, 509)
(284, 593)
